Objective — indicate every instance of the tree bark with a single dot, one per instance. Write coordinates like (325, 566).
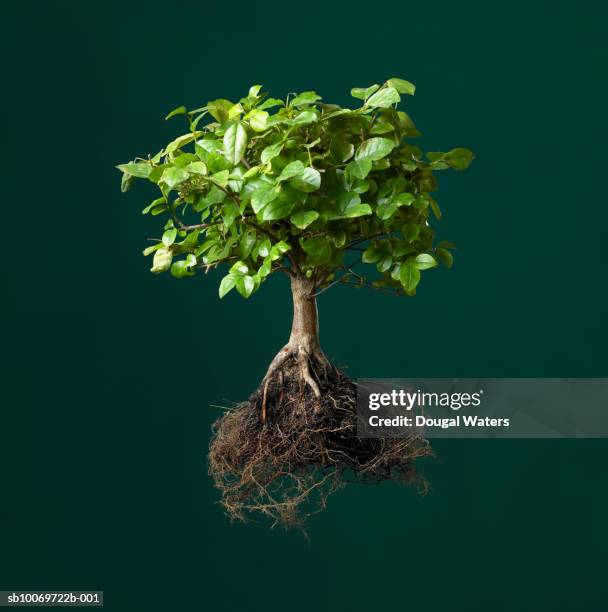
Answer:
(305, 326)
(304, 338)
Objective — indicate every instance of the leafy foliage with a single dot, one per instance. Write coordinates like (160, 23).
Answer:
(298, 185)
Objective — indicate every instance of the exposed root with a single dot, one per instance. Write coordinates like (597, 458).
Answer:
(279, 359)
(320, 356)
(264, 395)
(305, 372)
(293, 443)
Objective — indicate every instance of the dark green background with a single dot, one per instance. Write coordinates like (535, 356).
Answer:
(110, 371)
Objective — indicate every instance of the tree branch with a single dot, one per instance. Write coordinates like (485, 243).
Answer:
(338, 280)
(368, 284)
(208, 266)
(363, 239)
(348, 271)
(286, 270)
(187, 228)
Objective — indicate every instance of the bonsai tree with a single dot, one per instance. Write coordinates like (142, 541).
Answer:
(325, 195)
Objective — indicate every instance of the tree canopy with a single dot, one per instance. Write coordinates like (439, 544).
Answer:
(298, 185)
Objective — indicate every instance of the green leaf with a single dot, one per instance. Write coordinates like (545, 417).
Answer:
(159, 201)
(435, 208)
(240, 267)
(236, 182)
(374, 149)
(362, 93)
(157, 210)
(197, 167)
(386, 209)
(403, 87)
(219, 109)
(424, 261)
(191, 239)
(261, 198)
(407, 125)
(359, 169)
(290, 170)
(235, 111)
(269, 103)
(258, 120)
(264, 248)
(265, 268)
(308, 180)
(245, 285)
(341, 149)
(247, 243)
(349, 206)
(445, 257)
(360, 210)
(384, 264)
(204, 148)
(459, 158)
(306, 97)
(318, 250)
(384, 98)
(271, 152)
(174, 176)
(235, 143)
(306, 117)
(137, 169)
(304, 218)
(278, 209)
(253, 171)
(404, 199)
(409, 276)
(279, 249)
(410, 231)
(125, 182)
(370, 255)
(180, 141)
(221, 178)
(180, 110)
(181, 269)
(230, 212)
(228, 283)
(169, 237)
(151, 249)
(215, 196)
(199, 117)
(361, 186)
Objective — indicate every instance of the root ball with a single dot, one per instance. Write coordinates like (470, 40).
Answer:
(285, 450)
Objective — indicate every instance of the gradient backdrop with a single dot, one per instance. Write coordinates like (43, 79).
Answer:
(111, 371)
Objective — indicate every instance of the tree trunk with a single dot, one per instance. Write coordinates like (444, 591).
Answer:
(303, 342)
(305, 326)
